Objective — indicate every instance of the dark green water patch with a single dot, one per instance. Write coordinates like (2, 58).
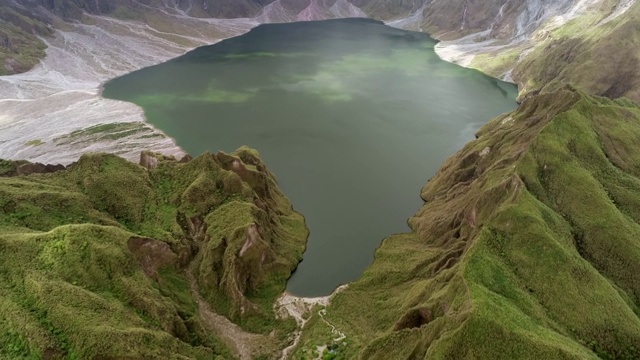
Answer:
(352, 116)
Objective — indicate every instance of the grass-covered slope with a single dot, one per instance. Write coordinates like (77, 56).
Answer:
(111, 260)
(527, 247)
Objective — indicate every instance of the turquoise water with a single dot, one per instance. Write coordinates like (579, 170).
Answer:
(353, 117)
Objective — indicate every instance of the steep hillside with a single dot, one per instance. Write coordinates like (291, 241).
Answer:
(107, 259)
(541, 45)
(527, 247)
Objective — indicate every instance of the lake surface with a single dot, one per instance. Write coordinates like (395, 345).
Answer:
(353, 117)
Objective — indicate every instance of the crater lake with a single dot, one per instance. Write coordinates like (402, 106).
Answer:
(352, 116)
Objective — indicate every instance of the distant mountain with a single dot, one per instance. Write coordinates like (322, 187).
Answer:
(540, 44)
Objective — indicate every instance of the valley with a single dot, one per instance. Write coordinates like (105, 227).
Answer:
(525, 246)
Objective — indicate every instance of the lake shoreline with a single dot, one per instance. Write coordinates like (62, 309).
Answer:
(334, 89)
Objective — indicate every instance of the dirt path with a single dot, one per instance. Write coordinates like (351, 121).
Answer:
(241, 342)
(339, 334)
(297, 308)
(244, 344)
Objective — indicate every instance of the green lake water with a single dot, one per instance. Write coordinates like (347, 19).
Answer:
(353, 117)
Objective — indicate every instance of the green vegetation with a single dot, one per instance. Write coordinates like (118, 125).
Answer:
(496, 64)
(125, 13)
(7, 167)
(103, 132)
(526, 247)
(103, 259)
(36, 142)
(20, 48)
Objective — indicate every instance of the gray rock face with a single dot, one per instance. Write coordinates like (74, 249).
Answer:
(505, 19)
(449, 19)
(518, 16)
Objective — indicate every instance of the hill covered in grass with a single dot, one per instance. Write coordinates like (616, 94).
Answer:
(527, 247)
(107, 259)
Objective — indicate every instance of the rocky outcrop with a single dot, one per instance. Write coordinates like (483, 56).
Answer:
(235, 241)
(152, 254)
(38, 168)
(15, 168)
(231, 212)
